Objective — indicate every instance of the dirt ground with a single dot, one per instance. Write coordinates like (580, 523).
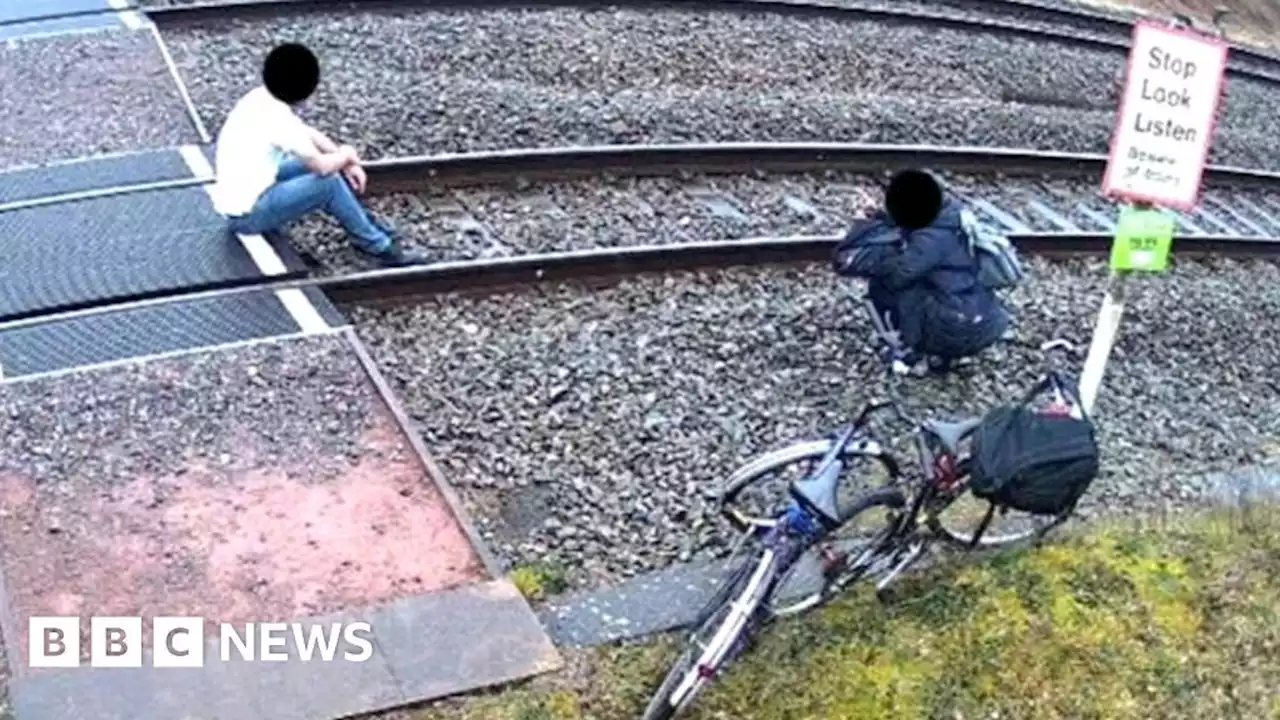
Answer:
(1251, 22)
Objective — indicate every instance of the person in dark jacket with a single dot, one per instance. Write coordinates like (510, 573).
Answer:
(922, 273)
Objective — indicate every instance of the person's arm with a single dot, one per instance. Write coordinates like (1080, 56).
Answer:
(353, 171)
(296, 137)
(325, 143)
(327, 163)
(925, 251)
(865, 249)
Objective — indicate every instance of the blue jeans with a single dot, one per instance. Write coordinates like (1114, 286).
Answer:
(297, 192)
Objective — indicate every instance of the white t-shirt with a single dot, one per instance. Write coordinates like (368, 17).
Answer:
(258, 132)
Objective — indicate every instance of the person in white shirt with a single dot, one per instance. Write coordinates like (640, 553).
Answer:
(272, 168)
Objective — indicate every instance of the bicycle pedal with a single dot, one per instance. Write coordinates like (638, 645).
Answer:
(886, 596)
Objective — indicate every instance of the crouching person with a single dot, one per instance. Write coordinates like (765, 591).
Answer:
(924, 275)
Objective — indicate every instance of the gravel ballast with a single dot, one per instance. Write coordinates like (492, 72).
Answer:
(299, 400)
(87, 94)
(478, 223)
(590, 426)
(428, 82)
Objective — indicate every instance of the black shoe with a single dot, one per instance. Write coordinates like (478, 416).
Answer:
(935, 365)
(397, 256)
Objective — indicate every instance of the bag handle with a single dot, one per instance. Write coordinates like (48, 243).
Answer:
(1046, 383)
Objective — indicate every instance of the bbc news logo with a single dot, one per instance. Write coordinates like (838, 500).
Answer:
(179, 642)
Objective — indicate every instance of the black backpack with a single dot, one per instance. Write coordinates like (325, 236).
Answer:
(1031, 461)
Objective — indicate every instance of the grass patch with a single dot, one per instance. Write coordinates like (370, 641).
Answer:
(538, 580)
(1177, 618)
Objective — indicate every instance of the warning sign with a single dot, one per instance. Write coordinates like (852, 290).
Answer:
(1167, 115)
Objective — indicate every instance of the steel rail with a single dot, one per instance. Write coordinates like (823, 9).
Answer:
(400, 285)
(176, 15)
(503, 167)
(558, 164)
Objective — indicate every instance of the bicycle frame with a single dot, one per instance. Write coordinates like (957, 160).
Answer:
(810, 516)
(812, 513)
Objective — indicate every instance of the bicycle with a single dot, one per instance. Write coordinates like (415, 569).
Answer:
(800, 544)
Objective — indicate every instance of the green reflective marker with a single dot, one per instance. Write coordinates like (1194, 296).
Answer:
(1142, 241)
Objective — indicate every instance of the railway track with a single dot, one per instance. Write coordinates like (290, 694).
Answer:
(550, 77)
(1033, 20)
(1044, 201)
(662, 378)
(586, 422)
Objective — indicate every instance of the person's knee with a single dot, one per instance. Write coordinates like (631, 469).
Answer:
(333, 183)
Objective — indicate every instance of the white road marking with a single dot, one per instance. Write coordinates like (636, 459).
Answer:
(131, 19)
(264, 256)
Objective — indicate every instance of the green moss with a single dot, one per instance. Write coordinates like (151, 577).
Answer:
(1179, 618)
(538, 580)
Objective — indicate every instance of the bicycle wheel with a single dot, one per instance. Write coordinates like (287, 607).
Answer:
(719, 636)
(877, 553)
(760, 487)
(956, 515)
(805, 584)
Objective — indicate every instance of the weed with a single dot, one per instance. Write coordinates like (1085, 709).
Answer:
(538, 580)
(1177, 618)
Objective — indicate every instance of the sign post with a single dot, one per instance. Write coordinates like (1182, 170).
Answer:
(1164, 129)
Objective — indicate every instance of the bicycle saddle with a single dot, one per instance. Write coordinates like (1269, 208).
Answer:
(950, 433)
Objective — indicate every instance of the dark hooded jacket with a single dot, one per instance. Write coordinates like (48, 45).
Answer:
(928, 279)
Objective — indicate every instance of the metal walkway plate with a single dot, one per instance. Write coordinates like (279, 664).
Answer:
(98, 173)
(160, 328)
(21, 18)
(12, 11)
(96, 22)
(77, 254)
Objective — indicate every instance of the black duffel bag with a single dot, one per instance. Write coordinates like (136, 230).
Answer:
(1033, 462)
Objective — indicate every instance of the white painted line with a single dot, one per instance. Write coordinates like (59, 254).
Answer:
(264, 256)
(196, 162)
(302, 310)
(131, 19)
